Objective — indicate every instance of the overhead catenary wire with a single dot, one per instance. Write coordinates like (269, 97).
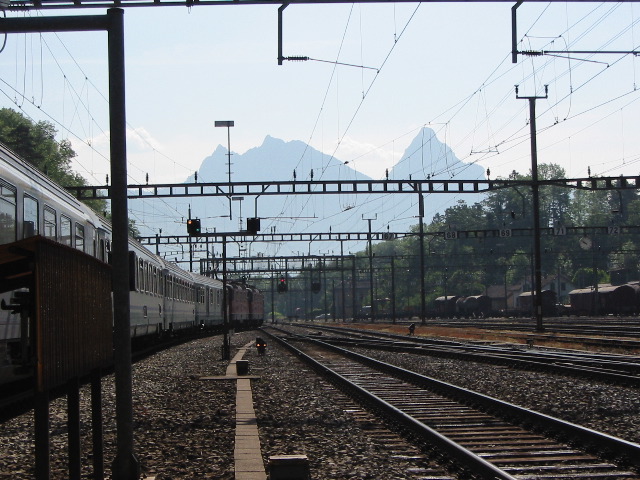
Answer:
(509, 138)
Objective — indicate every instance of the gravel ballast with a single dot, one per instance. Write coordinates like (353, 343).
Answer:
(185, 426)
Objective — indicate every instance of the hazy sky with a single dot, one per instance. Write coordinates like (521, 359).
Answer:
(445, 65)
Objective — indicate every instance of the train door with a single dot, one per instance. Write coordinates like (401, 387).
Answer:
(30, 217)
(8, 213)
(102, 244)
(207, 304)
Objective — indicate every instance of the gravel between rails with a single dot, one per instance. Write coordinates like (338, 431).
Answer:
(600, 406)
(184, 426)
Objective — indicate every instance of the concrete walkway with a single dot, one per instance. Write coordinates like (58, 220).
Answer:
(248, 459)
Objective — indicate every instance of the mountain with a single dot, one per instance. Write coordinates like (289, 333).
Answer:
(428, 158)
(274, 160)
(277, 160)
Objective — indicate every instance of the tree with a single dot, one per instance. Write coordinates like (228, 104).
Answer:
(35, 143)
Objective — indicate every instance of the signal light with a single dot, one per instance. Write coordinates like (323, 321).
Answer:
(282, 285)
(261, 345)
(193, 227)
(253, 225)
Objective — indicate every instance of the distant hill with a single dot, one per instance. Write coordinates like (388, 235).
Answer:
(277, 160)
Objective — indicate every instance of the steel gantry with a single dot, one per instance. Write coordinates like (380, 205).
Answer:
(338, 187)
(21, 5)
(384, 236)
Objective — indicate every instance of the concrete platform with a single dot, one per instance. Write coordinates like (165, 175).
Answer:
(248, 458)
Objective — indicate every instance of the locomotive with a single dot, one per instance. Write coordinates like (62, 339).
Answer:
(164, 298)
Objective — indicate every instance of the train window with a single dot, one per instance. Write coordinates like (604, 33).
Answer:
(80, 237)
(50, 226)
(140, 275)
(30, 217)
(7, 213)
(145, 277)
(65, 230)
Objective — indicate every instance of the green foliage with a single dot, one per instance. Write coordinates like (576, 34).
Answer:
(584, 277)
(36, 144)
(468, 266)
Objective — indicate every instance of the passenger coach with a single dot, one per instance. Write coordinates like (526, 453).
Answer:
(164, 298)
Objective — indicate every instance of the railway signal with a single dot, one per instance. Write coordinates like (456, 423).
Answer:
(193, 227)
(253, 225)
(282, 285)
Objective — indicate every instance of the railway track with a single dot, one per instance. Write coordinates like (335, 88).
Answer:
(606, 326)
(612, 368)
(483, 435)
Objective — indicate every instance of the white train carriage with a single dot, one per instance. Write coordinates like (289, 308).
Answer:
(164, 298)
(146, 298)
(179, 298)
(31, 204)
(208, 294)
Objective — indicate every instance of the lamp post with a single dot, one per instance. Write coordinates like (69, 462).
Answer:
(228, 124)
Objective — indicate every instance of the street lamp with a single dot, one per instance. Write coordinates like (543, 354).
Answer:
(228, 124)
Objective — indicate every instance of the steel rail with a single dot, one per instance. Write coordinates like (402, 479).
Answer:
(587, 437)
(609, 370)
(464, 456)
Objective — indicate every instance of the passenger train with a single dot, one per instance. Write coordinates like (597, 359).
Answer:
(164, 298)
